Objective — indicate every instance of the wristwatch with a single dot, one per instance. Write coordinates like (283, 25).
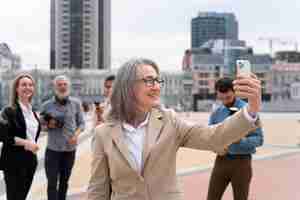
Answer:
(253, 114)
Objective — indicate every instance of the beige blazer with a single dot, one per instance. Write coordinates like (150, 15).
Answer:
(113, 175)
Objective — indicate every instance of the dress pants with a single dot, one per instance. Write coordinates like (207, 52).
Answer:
(18, 182)
(237, 171)
(58, 166)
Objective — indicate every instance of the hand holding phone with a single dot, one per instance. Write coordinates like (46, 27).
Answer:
(247, 86)
(243, 67)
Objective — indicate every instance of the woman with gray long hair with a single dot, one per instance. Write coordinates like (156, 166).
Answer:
(134, 151)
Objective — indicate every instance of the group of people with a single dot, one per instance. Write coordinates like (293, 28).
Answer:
(135, 139)
(62, 118)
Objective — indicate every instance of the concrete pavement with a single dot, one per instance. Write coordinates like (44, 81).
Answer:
(273, 162)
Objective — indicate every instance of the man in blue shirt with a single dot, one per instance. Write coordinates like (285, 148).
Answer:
(63, 117)
(234, 164)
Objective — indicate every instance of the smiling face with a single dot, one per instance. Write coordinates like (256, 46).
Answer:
(25, 89)
(147, 94)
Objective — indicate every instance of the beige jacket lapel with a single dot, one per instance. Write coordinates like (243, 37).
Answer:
(153, 132)
(118, 138)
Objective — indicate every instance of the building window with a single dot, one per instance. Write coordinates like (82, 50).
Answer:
(203, 91)
(203, 82)
(87, 23)
(203, 75)
(260, 75)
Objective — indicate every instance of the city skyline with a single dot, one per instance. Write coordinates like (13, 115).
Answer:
(159, 30)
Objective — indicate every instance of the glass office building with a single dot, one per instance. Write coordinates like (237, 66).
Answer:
(212, 26)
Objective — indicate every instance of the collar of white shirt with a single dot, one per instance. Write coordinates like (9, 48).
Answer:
(130, 128)
(25, 108)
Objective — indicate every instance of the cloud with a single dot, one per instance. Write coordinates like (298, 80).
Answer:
(25, 28)
(156, 29)
(164, 48)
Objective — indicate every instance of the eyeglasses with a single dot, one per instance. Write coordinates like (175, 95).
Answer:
(150, 82)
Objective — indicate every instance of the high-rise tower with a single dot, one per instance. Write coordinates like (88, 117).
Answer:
(80, 34)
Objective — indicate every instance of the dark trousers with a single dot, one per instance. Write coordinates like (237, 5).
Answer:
(58, 166)
(18, 182)
(236, 171)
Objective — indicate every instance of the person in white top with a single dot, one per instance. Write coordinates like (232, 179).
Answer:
(20, 130)
(134, 150)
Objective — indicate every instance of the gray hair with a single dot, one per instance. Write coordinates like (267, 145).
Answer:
(13, 93)
(123, 99)
(61, 78)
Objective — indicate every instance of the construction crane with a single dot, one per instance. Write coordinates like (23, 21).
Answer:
(272, 40)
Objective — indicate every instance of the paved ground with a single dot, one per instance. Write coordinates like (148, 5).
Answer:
(274, 178)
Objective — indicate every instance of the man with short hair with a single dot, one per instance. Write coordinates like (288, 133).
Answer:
(108, 85)
(101, 109)
(234, 164)
(64, 120)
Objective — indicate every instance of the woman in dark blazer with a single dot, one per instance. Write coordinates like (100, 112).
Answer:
(20, 130)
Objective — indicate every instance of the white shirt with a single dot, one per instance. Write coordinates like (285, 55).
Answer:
(31, 122)
(134, 139)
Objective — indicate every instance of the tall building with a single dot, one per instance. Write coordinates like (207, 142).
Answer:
(80, 34)
(217, 59)
(211, 26)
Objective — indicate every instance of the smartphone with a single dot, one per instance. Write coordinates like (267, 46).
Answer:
(243, 67)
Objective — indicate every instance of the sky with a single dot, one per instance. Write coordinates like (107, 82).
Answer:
(156, 29)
